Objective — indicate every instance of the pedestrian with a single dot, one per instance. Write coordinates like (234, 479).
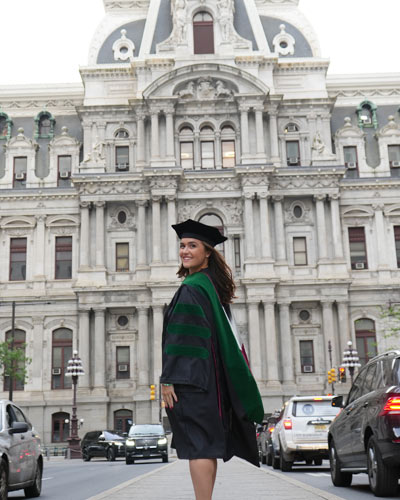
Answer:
(211, 397)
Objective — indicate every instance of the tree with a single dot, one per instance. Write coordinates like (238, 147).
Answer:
(391, 317)
(14, 362)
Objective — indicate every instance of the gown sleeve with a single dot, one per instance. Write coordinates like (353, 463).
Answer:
(186, 342)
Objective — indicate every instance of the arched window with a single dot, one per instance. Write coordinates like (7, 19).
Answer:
(207, 148)
(61, 353)
(203, 33)
(186, 141)
(365, 339)
(228, 147)
(44, 125)
(59, 428)
(123, 420)
(121, 134)
(367, 117)
(18, 343)
(214, 220)
(5, 126)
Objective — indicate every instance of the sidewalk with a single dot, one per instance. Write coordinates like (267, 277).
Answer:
(236, 480)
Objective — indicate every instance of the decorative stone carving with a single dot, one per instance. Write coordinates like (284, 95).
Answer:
(123, 48)
(284, 42)
(209, 185)
(318, 145)
(205, 89)
(96, 155)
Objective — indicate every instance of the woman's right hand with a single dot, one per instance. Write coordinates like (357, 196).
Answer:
(168, 395)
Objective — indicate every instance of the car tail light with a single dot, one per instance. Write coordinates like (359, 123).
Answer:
(392, 406)
(258, 434)
(270, 429)
(287, 424)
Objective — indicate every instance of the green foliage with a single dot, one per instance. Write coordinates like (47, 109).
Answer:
(13, 361)
(391, 317)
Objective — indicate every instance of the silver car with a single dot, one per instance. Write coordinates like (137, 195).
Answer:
(21, 463)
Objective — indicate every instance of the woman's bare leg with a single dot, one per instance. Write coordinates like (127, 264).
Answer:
(203, 472)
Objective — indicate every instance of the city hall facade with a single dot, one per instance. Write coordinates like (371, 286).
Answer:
(219, 111)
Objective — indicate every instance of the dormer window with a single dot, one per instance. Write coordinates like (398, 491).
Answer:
(5, 126)
(366, 112)
(203, 33)
(44, 125)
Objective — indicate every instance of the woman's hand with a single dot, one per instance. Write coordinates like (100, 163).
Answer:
(168, 395)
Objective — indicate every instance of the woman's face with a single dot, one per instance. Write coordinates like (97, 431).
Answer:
(193, 254)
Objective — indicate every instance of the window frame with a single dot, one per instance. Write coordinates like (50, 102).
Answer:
(191, 160)
(64, 248)
(118, 148)
(118, 257)
(203, 35)
(122, 375)
(396, 233)
(363, 335)
(309, 342)
(64, 181)
(295, 252)
(65, 382)
(353, 238)
(20, 183)
(60, 417)
(298, 158)
(14, 251)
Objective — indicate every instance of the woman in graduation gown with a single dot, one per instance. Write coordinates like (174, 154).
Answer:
(211, 397)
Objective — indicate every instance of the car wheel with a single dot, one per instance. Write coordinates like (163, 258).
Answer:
(339, 478)
(35, 489)
(129, 461)
(286, 465)
(268, 458)
(85, 456)
(309, 462)
(3, 480)
(318, 461)
(275, 461)
(165, 459)
(382, 479)
(110, 455)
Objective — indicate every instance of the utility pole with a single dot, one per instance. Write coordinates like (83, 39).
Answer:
(11, 376)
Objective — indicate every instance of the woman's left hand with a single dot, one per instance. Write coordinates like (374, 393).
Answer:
(168, 395)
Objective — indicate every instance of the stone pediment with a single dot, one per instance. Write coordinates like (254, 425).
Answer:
(205, 89)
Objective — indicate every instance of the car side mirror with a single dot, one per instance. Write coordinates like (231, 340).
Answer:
(18, 427)
(337, 402)
(102, 438)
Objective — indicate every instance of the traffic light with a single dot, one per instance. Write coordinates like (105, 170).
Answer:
(342, 374)
(331, 376)
(152, 392)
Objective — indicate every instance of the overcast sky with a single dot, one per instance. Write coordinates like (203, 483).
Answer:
(45, 41)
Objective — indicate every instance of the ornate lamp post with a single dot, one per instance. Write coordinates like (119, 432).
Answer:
(74, 370)
(351, 359)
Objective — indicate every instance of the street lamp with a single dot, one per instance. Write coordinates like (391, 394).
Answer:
(74, 370)
(351, 359)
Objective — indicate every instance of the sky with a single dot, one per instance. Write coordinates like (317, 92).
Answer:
(47, 40)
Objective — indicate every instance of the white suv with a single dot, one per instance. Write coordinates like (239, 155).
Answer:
(302, 432)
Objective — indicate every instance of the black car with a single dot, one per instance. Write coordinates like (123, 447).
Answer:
(109, 444)
(146, 441)
(264, 438)
(365, 436)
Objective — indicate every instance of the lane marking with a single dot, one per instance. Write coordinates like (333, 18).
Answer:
(318, 474)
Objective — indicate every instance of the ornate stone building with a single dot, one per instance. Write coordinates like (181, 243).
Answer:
(218, 110)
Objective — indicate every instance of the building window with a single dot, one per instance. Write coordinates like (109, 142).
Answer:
(121, 134)
(60, 427)
(16, 341)
(350, 161)
(236, 249)
(186, 155)
(44, 126)
(20, 168)
(228, 147)
(63, 257)
(358, 250)
(122, 257)
(5, 126)
(365, 339)
(214, 220)
(207, 148)
(300, 251)
(122, 157)
(394, 160)
(293, 153)
(307, 356)
(64, 170)
(366, 113)
(61, 354)
(121, 217)
(18, 259)
(397, 243)
(123, 419)
(203, 33)
(123, 364)
(291, 128)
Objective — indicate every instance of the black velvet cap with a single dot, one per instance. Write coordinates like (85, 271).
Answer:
(193, 229)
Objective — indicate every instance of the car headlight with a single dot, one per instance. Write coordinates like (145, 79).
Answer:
(117, 443)
(163, 441)
(130, 442)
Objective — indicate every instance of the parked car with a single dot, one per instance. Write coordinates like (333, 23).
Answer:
(264, 438)
(21, 465)
(365, 437)
(301, 433)
(146, 441)
(109, 444)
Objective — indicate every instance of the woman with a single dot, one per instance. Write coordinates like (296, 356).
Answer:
(211, 398)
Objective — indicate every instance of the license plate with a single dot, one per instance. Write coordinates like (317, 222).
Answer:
(320, 427)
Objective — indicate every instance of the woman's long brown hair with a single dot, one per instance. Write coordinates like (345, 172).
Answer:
(220, 274)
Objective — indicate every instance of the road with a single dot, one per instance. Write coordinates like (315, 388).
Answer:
(320, 477)
(66, 479)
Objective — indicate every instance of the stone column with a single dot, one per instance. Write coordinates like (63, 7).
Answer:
(99, 348)
(336, 227)
(279, 229)
(286, 343)
(37, 368)
(273, 134)
(172, 247)
(84, 250)
(197, 151)
(249, 229)
(143, 345)
(321, 226)
(157, 334)
(327, 326)
(100, 233)
(141, 233)
(270, 342)
(344, 327)
(254, 340)
(87, 138)
(40, 245)
(264, 223)
(382, 260)
(155, 137)
(327, 133)
(259, 130)
(218, 150)
(140, 138)
(169, 120)
(244, 127)
(84, 347)
(156, 222)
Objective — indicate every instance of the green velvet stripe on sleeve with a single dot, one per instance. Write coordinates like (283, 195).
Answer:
(187, 350)
(189, 309)
(194, 330)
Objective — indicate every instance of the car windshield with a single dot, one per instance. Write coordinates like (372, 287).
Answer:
(141, 430)
(112, 436)
(314, 409)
